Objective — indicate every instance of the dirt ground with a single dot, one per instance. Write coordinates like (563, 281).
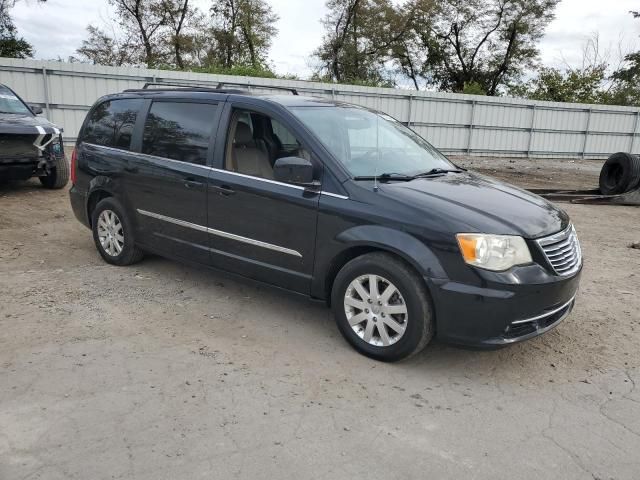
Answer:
(538, 173)
(163, 371)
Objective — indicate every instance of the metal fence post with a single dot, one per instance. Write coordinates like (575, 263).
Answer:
(473, 116)
(634, 134)
(410, 99)
(531, 130)
(586, 135)
(45, 82)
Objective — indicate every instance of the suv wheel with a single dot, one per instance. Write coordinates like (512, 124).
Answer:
(382, 307)
(113, 235)
(58, 176)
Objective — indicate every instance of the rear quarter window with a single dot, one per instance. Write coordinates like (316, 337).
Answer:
(111, 123)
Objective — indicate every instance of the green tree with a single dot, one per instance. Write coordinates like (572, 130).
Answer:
(183, 21)
(488, 42)
(412, 51)
(626, 87)
(152, 32)
(100, 48)
(359, 38)
(582, 85)
(630, 71)
(144, 20)
(11, 45)
(242, 33)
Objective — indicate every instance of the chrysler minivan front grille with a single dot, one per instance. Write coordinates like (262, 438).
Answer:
(562, 251)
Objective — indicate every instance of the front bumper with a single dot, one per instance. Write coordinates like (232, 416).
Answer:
(499, 314)
(21, 165)
(18, 169)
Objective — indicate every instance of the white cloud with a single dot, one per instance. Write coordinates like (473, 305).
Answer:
(577, 20)
(57, 28)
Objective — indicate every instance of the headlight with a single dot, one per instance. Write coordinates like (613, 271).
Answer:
(493, 252)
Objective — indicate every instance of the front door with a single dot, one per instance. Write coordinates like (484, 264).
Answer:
(259, 227)
(167, 181)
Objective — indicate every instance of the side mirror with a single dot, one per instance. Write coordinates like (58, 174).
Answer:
(36, 109)
(294, 170)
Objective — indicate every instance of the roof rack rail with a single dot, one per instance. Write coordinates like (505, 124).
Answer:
(178, 85)
(273, 87)
(218, 88)
(181, 86)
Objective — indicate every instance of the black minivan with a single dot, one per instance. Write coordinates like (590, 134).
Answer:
(330, 200)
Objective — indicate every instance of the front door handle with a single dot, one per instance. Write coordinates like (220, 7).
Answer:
(222, 189)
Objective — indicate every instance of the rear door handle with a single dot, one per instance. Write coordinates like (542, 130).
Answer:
(192, 184)
(222, 189)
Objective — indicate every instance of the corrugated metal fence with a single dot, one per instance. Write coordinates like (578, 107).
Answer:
(457, 124)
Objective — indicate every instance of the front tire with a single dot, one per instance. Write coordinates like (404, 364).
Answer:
(382, 307)
(113, 233)
(58, 175)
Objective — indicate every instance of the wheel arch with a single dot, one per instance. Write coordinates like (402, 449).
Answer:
(365, 239)
(99, 189)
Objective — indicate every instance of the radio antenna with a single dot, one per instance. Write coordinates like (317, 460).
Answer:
(375, 171)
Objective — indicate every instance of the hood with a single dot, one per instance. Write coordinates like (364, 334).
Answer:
(480, 204)
(26, 124)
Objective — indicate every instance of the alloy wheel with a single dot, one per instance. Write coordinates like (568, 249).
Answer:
(110, 233)
(376, 310)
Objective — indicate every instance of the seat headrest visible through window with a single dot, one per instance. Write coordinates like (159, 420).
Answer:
(243, 134)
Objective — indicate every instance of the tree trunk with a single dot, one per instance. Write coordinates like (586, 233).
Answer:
(176, 39)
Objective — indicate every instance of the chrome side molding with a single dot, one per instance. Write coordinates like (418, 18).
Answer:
(220, 233)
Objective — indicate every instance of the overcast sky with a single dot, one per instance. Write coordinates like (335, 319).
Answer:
(57, 28)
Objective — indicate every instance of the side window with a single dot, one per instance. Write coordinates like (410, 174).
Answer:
(179, 131)
(255, 141)
(283, 134)
(111, 123)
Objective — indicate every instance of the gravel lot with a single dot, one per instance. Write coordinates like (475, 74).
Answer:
(163, 371)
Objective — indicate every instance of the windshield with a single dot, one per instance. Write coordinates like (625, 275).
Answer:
(10, 103)
(370, 144)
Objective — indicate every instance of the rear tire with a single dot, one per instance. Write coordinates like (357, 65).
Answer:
(113, 233)
(58, 176)
(620, 174)
(384, 339)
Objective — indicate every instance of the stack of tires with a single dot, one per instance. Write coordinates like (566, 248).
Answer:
(620, 174)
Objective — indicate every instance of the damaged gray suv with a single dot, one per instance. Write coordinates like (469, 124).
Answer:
(30, 146)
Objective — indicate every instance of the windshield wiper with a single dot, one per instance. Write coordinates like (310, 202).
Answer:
(384, 177)
(437, 171)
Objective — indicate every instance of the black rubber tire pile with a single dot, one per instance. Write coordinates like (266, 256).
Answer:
(620, 174)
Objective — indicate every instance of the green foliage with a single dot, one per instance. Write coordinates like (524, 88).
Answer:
(575, 85)
(448, 44)
(142, 22)
(236, 33)
(487, 42)
(11, 45)
(358, 39)
(102, 49)
(237, 70)
(627, 94)
(473, 88)
(626, 88)
(242, 31)
(15, 47)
